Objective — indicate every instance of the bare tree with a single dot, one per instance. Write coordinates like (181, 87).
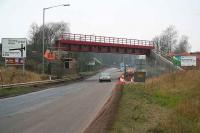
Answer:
(167, 41)
(52, 31)
(157, 45)
(183, 45)
(33, 34)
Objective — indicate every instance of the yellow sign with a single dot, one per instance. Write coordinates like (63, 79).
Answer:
(139, 76)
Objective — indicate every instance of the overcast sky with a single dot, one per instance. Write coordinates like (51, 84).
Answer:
(140, 19)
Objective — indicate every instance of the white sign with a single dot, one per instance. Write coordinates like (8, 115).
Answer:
(14, 47)
(91, 63)
(188, 60)
(142, 57)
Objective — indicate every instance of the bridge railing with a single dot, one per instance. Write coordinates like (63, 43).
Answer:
(103, 39)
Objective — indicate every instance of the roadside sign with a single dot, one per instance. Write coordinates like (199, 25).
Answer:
(141, 57)
(139, 76)
(188, 60)
(176, 60)
(91, 63)
(14, 61)
(14, 47)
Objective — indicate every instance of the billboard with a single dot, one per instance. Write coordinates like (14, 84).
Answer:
(14, 47)
(188, 60)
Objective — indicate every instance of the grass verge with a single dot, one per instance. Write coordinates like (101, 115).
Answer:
(13, 75)
(10, 92)
(85, 74)
(15, 91)
(104, 118)
(168, 104)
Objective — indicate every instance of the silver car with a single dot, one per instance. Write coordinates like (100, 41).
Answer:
(104, 77)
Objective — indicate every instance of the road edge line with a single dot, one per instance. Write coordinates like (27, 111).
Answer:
(104, 118)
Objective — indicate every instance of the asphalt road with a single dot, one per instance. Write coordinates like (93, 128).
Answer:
(63, 109)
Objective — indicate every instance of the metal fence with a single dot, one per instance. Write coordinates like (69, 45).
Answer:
(157, 65)
(104, 39)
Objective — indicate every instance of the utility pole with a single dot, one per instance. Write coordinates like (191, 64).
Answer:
(43, 31)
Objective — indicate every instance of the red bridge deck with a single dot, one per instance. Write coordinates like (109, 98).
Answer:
(102, 44)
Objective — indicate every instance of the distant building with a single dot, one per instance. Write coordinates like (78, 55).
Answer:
(197, 54)
(60, 68)
(179, 54)
(60, 63)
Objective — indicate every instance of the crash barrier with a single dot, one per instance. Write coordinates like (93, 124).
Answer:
(35, 83)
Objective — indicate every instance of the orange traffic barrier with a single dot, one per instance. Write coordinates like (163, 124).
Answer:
(121, 80)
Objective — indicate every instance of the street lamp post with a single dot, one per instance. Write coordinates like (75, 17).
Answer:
(43, 32)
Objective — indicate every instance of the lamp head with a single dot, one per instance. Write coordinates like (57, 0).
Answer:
(66, 4)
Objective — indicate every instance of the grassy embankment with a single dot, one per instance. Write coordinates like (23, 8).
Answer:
(13, 75)
(89, 73)
(168, 104)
